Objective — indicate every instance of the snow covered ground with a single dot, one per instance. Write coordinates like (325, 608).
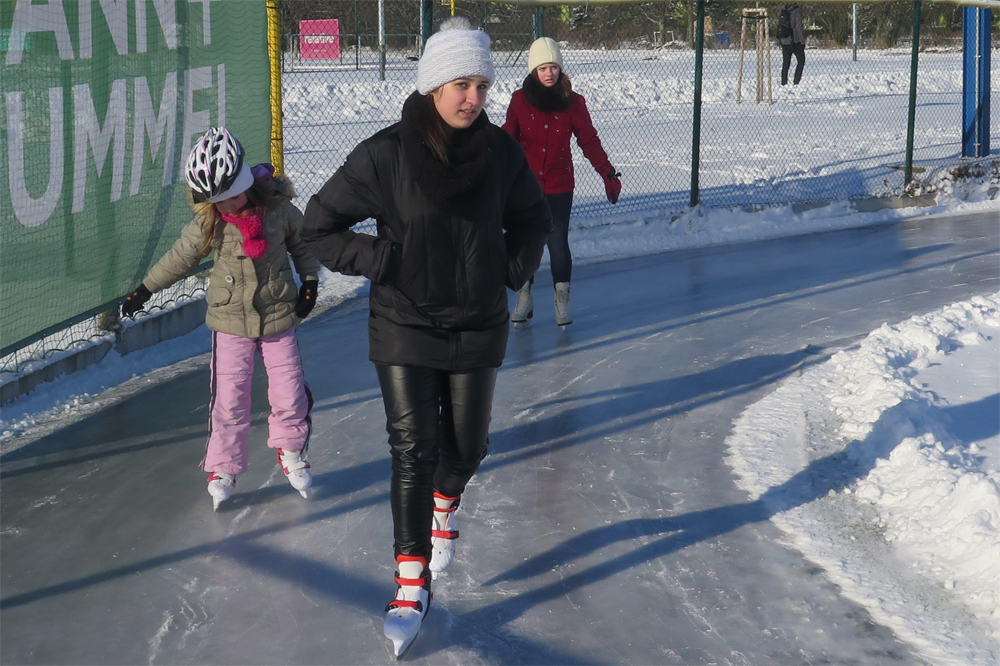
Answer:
(915, 406)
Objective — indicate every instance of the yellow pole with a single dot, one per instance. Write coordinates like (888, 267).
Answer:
(274, 56)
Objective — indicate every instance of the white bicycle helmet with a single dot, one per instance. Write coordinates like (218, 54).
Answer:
(216, 170)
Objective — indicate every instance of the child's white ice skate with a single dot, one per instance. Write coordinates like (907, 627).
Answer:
(295, 467)
(413, 599)
(443, 533)
(220, 487)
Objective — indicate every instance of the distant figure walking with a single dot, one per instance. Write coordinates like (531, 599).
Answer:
(793, 41)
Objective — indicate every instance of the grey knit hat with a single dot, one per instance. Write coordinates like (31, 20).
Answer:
(455, 51)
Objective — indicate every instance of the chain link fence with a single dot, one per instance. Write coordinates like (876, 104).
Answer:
(761, 143)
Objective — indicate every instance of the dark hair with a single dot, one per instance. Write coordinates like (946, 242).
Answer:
(435, 131)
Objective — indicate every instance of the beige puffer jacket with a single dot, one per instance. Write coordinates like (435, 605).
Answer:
(246, 297)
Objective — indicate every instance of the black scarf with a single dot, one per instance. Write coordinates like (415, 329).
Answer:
(446, 185)
(542, 98)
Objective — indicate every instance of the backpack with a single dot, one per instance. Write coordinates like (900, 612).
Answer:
(785, 23)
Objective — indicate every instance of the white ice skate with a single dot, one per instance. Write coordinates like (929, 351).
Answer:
(525, 308)
(564, 316)
(413, 599)
(443, 533)
(220, 487)
(295, 467)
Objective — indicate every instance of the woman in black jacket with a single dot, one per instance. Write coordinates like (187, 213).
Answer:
(460, 218)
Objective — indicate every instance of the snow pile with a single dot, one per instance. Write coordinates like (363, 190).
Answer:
(967, 182)
(856, 462)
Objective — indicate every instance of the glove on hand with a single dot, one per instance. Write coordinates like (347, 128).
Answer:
(134, 301)
(307, 298)
(612, 185)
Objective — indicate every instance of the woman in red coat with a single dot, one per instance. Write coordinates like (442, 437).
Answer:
(543, 116)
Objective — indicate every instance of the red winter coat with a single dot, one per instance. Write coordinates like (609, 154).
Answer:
(545, 137)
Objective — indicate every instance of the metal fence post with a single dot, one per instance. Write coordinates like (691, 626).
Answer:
(912, 114)
(976, 22)
(538, 23)
(854, 31)
(426, 22)
(274, 57)
(381, 40)
(699, 48)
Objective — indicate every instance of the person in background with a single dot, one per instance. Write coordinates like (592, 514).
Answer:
(459, 219)
(544, 115)
(793, 41)
(244, 215)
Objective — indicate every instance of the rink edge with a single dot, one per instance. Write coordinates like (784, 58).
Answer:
(182, 320)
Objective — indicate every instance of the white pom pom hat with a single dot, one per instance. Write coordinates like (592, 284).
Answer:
(543, 50)
(455, 51)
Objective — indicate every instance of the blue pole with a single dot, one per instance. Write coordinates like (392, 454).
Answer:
(976, 23)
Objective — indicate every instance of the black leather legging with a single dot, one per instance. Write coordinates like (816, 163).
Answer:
(438, 424)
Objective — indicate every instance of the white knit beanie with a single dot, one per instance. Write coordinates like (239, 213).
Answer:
(543, 50)
(455, 51)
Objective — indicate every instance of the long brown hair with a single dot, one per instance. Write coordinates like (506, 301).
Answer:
(435, 131)
(563, 87)
(263, 195)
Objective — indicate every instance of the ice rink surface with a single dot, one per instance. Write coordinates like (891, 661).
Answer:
(603, 528)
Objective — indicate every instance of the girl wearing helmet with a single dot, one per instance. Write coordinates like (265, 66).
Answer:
(244, 215)
(543, 116)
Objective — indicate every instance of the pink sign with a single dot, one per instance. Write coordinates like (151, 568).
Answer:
(320, 39)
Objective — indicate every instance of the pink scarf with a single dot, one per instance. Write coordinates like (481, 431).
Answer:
(252, 228)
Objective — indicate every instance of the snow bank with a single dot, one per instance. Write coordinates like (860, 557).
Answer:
(856, 461)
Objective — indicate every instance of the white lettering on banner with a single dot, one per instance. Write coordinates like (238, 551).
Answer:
(195, 122)
(51, 17)
(206, 19)
(88, 132)
(115, 15)
(32, 212)
(220, 79)
(320, 39)
(159, 127)
(166, 14)
(90, 136)
(29, 17)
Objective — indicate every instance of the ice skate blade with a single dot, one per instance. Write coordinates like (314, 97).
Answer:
(305, 493)
(215, 503)
(400, 646)
(434, 575)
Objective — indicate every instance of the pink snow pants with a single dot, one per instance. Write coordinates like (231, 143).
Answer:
(232, 374)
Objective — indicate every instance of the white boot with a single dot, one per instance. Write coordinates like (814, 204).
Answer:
(295, 467)
(525, 308)
(443, 533)
(413, 599)
(564, 316)
(220, 487)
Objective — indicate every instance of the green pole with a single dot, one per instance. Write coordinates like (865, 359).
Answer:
(699, 48)
(538, 23)
(426, 22)
(911, 120)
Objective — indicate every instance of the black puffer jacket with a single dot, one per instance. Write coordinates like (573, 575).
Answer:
(450, 239)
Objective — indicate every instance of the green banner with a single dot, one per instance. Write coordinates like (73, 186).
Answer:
(101, 101)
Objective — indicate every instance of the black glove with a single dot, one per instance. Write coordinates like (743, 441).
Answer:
(134, 301)
(612, 185)
(307, 298)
